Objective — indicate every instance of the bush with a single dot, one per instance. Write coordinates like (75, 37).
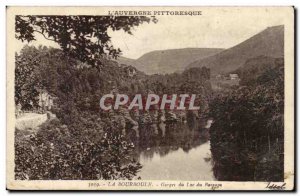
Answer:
(57, 152)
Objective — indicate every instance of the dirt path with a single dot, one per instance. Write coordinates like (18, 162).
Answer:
(30, 121)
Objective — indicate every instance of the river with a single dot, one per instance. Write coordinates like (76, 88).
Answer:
(177, 151)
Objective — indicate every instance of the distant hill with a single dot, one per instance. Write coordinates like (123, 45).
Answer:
(269, 42)
(169, 61)
(126, 61)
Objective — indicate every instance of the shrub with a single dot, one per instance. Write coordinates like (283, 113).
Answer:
(57, 152)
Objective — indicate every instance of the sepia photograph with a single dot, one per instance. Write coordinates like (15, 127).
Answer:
(150, 98)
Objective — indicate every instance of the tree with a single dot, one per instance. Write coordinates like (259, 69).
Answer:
(36, 70)
(27, 82)
(82, 37)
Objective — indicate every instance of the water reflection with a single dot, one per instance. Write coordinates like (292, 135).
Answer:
(174, 151)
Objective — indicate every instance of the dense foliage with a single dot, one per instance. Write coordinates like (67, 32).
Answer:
(59, 152)
(79, 145)
(27, 83)
(85, 143)
(247, 135)
(79, 86)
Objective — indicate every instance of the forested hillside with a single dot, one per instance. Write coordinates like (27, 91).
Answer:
(247, 136)
(80, 125)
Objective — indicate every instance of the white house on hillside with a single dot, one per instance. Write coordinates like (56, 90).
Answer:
(233, 76)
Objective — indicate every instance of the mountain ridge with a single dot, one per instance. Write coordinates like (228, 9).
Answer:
(268, 42)
(168, 61)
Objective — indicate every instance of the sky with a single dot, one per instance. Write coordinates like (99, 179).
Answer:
(215, 28)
